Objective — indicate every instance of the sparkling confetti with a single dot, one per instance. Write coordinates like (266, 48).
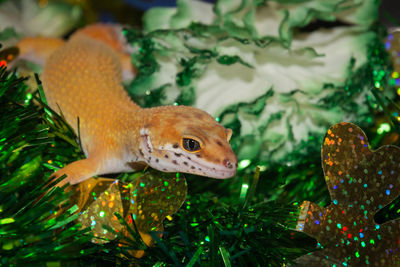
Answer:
(243, 164)
(354, 204)
(384, 127)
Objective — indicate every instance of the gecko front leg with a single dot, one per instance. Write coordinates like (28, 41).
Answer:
(77, 171)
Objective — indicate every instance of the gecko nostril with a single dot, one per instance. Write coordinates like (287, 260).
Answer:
(227, 163)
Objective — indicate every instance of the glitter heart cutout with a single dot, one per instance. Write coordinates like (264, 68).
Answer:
(360, 182)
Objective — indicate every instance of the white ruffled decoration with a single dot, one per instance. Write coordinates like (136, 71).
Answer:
(296, 66)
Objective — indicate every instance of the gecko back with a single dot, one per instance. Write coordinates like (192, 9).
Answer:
(83, 79)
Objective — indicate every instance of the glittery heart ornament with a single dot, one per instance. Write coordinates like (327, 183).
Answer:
(147, 200)
(360, 182)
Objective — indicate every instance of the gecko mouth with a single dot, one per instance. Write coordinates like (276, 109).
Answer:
(213, 172)
(187, 164)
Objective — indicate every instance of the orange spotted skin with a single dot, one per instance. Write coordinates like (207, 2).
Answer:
(82, 79)
(110, 34)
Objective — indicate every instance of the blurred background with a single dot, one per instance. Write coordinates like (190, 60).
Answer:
(130, 11)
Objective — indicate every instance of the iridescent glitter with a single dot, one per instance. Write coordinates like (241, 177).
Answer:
(360, 182)
(148, 200)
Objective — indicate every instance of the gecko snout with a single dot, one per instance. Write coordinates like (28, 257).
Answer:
(228, 164)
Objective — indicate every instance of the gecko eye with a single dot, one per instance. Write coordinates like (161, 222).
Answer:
(190, 145)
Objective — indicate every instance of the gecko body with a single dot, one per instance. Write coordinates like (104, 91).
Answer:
(82, 79)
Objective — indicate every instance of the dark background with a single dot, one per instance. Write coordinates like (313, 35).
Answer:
(131, 11)
(390, 13)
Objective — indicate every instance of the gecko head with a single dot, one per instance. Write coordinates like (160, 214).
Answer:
(189, 140)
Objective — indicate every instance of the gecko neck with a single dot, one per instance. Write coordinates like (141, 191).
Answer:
(133, 122)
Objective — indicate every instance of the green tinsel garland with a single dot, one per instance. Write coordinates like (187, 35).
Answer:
(28, 233)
